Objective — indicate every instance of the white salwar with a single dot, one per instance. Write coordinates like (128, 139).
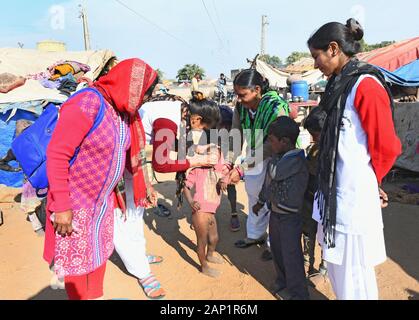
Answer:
(359, 236)
(129, 239)
(257, 225)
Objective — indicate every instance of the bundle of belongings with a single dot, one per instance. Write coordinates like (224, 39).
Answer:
(8, 82)
(62, 75)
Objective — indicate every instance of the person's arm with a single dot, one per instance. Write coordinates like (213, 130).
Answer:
(165, 132)
(373, 105)
(71, 129)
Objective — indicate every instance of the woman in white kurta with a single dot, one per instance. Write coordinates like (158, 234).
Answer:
(357, 149)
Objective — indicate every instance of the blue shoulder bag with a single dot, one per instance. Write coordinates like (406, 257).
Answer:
(30, 148)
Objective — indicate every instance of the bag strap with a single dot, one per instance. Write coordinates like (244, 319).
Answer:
(99, 117)
(101, 112)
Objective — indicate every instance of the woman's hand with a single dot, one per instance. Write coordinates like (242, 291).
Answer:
(383, 198)
(63, 223)
(256, 208)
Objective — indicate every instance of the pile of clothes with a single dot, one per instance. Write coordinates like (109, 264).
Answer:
(9, 81)
(63, 76)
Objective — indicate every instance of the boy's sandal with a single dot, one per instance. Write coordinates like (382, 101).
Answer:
(152, 287)
(152, 259)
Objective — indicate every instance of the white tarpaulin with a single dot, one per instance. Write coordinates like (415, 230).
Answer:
(276, 77)
(279, 78)
(23, 62)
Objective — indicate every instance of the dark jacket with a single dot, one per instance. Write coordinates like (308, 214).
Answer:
(285, 183)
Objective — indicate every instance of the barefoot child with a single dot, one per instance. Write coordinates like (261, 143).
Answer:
(204, 204)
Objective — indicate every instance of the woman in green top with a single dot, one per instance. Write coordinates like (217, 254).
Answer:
(257, 108)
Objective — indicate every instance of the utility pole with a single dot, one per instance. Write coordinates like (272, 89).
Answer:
(265, 23)
(83, 16)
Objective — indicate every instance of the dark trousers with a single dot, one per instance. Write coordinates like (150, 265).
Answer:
(285, 232)
(232, 197)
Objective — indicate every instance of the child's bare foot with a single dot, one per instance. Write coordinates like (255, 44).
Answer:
(210, 272)
(215, 258)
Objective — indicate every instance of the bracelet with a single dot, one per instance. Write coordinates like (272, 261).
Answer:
(240, 171)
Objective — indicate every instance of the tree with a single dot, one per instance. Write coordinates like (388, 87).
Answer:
(274, 61)
(295, 56)
(160, 74)
(365, 47)
(189, 71)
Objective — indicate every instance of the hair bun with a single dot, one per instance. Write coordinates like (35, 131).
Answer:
(355, 28)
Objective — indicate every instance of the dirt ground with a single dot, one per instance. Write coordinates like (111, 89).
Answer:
(24, 275)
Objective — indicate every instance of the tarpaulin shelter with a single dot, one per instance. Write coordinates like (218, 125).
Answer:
(393, 56)
(28, 101)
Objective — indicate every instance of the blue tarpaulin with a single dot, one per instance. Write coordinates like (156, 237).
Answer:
(10, 179)
(7, 129)
(406, 76)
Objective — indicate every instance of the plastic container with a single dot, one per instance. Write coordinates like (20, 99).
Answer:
(299, 89)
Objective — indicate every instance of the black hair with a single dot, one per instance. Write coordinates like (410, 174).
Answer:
(347, 36)
(150, 90)
(250, 78)
(285, 127)
(226, 114)
(207, 109)
(315, 120)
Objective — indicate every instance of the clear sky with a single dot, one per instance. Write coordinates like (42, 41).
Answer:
(177, 32)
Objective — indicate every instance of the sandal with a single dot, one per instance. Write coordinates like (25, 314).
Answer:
(152, 259)
(162, 211)
(234, 223)
(152, 287)
(248, 242)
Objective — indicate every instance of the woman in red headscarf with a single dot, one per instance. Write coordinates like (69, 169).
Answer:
(81, 198)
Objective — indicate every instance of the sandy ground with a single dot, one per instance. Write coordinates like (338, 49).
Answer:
(24, 275)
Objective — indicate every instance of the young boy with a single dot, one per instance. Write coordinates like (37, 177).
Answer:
(204, 205)
(285, 184)
(314, 125)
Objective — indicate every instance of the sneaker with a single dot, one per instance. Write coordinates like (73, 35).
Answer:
(234, 223)
(36, 224)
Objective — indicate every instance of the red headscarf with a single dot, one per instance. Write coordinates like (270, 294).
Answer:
(124, 88)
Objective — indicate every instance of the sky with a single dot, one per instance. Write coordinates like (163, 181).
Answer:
(218, 35)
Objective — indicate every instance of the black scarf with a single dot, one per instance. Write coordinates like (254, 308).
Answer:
(333, 103)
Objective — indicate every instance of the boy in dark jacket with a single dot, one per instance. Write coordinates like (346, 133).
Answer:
(283, 191)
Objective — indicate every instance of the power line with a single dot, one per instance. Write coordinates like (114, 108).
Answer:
(213, 24)
(216, 12)
(152, 23)
(221, 25)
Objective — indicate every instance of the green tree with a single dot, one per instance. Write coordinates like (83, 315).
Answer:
(160, 74)
(295, 56)
(274, 61)
(365, 47)
(189, 71)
